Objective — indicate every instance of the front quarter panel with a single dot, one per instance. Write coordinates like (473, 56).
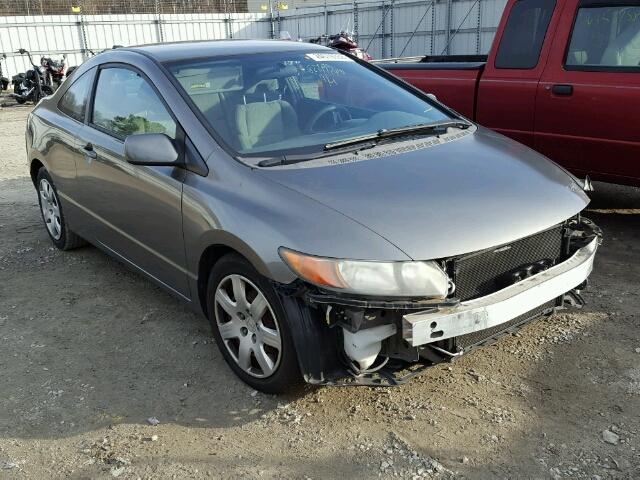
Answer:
(236, 207)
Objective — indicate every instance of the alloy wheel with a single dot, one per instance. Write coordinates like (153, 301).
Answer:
(50, 209)
(248, 326)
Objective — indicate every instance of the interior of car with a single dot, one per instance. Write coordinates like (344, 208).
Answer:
(257, 105)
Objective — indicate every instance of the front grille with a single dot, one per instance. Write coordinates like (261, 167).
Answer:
(481, 273)
(464, 342)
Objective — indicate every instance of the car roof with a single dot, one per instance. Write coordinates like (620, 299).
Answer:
(171, 52)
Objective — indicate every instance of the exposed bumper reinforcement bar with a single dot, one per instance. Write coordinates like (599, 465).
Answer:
(497, 308)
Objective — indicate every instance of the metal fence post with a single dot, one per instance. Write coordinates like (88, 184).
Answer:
(393, 29)
(271, 25)
(326, 19)
(448, 27)
(384, 30)
(83, 34)
(159, 22)
(433, 28)
(355, 21)
(479, 29)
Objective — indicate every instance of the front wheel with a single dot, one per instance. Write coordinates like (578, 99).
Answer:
(250, 326)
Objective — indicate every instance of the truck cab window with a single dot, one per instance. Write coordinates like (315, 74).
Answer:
(605, 38)
(524, 34)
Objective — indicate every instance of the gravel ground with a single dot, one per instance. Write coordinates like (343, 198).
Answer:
(91, 355)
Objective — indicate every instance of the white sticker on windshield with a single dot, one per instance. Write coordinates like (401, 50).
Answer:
(328, 57)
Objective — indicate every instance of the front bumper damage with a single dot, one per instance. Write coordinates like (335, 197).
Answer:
(363, 341)
(502, 306)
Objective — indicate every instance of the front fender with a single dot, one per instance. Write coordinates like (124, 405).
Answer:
(236, 207)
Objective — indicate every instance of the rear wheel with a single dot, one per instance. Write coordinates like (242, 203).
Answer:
(52, 214)
(250, 326)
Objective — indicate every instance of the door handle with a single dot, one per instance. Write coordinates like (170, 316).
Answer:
(89, 151)
(565, 90)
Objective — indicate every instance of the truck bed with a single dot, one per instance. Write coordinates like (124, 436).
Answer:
(455, 78)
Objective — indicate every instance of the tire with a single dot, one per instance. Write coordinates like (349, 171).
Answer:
(16, 91)
(52, 214)
(250, 345)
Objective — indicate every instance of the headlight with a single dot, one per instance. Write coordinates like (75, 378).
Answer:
(384, 279)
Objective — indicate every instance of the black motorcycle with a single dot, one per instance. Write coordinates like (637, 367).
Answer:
(30, 85)
(4, 81)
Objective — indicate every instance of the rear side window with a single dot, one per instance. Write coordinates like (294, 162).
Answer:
(524, 34)
(605, 38)
(74, 102)
(125, 104)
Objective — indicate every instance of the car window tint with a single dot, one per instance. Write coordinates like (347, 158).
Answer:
(524, 34)
(605, 36)
(125, 104)
(74, 102)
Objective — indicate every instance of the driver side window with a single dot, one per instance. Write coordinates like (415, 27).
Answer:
(605, 38)
(125, 104)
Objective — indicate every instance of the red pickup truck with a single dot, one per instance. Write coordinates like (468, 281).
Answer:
(562, 76)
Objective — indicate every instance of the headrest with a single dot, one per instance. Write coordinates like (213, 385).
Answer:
(263, 86)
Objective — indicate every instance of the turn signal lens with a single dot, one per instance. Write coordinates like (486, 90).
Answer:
(319, 271)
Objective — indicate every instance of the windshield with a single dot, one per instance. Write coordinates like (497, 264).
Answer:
(285, 103)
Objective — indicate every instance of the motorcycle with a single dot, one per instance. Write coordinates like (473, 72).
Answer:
(54, 71)
(343, 41)
(30, 85)
(4, 81)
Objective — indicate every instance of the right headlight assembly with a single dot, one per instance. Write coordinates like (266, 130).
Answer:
(380, 279)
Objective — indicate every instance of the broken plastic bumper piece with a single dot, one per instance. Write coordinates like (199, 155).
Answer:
(502, 306)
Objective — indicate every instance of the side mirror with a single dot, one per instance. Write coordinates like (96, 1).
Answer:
(152, 149)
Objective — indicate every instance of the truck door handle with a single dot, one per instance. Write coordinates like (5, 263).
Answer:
(89, 151)
(565, 90)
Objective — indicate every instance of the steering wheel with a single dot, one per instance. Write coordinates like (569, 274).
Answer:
(341, 114)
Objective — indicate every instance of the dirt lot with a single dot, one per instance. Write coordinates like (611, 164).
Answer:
(90, 351)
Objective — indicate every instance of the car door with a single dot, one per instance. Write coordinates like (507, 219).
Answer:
(507, 91)
(589, 94)
(134, 211)
(59, 143)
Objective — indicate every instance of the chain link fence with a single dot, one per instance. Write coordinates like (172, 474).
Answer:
(385, 28)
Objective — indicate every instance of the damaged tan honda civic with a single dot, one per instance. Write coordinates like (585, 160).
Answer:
(335, 224)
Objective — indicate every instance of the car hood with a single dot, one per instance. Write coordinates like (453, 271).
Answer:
(470, 192)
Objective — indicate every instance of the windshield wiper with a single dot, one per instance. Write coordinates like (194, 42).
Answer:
(437, 128)
(362, 142)
(291, 159)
